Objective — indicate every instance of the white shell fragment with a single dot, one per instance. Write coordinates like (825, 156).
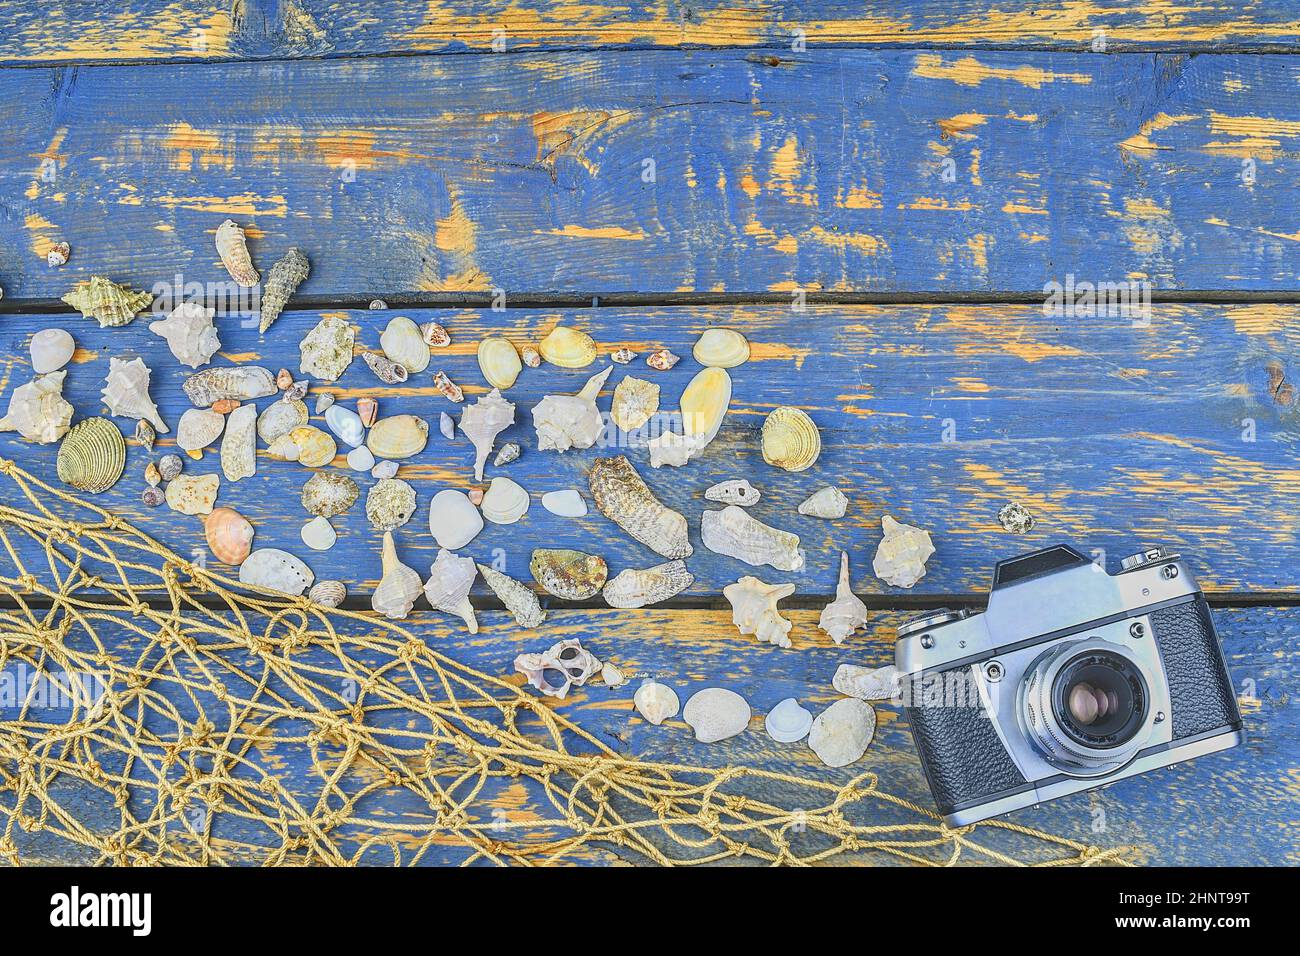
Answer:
(638, 587)
(829, 502)
(403, 343)
(840, 735)
(787, 722)
(346, 424)
(453, 520)
(38, 411)
(361, 459)
(318, 534)
(754, 611)
(327, 349)
(275, 570)
(518, 598)
(384, 469)
(199, 428)
(193, 494)
(505, 501)
(447, 425)
(867, 683)
(716, 713)
(126, 392)
(635, 400)
(399, 586)
(51, 349)
(569, 421)
(560, 667)
(482, 422)
(190, 333)
(567, 503)
(611, 675)
(239, 445)
(450, 579)
(734, 533)
(735, 491)
(656, 702)
(902, 553)
(846, 613)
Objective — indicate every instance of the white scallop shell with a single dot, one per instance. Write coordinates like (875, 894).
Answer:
(716, 713)
(505, 501)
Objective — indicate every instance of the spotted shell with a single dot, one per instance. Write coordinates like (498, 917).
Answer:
(327, 494)
(791, 439)
(92, 456)
(390, 503)
(568, 574)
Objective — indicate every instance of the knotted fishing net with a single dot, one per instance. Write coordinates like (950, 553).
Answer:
(209, 724)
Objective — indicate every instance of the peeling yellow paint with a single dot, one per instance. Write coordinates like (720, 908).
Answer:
(1141, 140)
(956, 126)
(968, 71)
(596, 232)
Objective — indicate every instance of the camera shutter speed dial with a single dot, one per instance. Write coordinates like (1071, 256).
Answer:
(930, 620)
(1142, 558)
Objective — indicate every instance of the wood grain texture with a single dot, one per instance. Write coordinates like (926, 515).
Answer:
(206, 30)
(833, 171)
(1114, 436)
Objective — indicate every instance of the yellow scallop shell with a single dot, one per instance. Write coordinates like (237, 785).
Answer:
(315, 447)
(568, 348)
(92, 456)
(499, 361)
(790, 439)
(721, 348)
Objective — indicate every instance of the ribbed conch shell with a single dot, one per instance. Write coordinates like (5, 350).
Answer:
(280, 418)
(398, 437)
(558, 668)
(107, 302)
(570, 421)
(829, 502)
(198, 428)
(126, 392)
(568, 574)
(390, 503)
(734, 533)
(275, 570)
(482, 422)
(281, 283)
(328, 593)
(399, 586)
(450, 578)
(233, 250)
(505, 502)
(753, 609)
(568, 348)
(403, 344)
(721, 348)
(902, 553)
(229, 535)
(38, 411)
(193, 494)
(92, 456)
(791, 439)
(734, 491)
(239, 444)
(240, 382)
(519, 599)
(638, 587)
(499, 361)
(190, 333)
(326, 351)
(846, 613)
(624, 498)
(656, 702)
(635, 400)
(326, 494)
(703, 405)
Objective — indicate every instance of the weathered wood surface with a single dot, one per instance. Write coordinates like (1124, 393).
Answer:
(204, 30)
(832, 171)
(1114, 436)
(1237, 807)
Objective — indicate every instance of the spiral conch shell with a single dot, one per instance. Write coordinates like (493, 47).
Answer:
(399, 586)
(624, 498)
(570, 421)
(753, 609)
(126, 392)
(447, 590)
(281, 283)
(38, 411)
(638, 587)
(92, 456)
(107, 302)
(518, 598)
(482, 422)
(189, 333)
(568, 348)
(233, 249)
(734, 533)
(791, 439)
(900, 558)
(499, 362)
(846, 613)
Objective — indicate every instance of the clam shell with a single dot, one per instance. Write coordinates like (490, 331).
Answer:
(568, 348)
(51, 349)
(568, 574)
(398, 437)
(402, 343)
(233, 249)
(505, 501)
(318, 534)
(326, 351)
(624, 498)
(518, 599)
(499, 361)
(704, 404)
(361, 459)
(721, 348)
(107, 302)
(239, 445)
(241, 382)
(198, 428)
(315, 447)
(841, 733)
(326, 494)
(390, 503)
(38, 411)
(716, 713)
(280, 418)
(453, 520)
(275, 570)
(229, 535)
(791, 439)
(92, 456)
(635, 400)
(190, 333)
(787, 722)
(193, 494)
(567, 503)
(328, 593)
(656, 702)
(637, 587)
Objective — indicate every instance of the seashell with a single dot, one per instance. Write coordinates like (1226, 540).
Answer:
(326, 351)
(297, 390)
(721, 348)
(58, 255)
(152, 476)
(734, 533)
(568, 574)
(622, 356)
(38, 411)
(450, 390)
(281, 283)
(508, 453)
(662, 360)
(482, 422)
(198, 428)
(275, 570)
(566, 504)
(447, 590)
(367, 411)
(377, 304)
(564, 664)
(318, 534)
(390, 503)
(280, 418)
(703, 405)
(385, 369)
(622, 497)
(846, 613)
(716, 714)
(226, 406)
(568, 348)
(169, 466)
(384, 469)
(153, 496)
(323, 401)
(868, 683)
(190, 333)
(346, 424)
(315, 448)
(239, 444)
(787, 722)
(518, 598)
(399, 586)
(453, 520)
(145, 434)
(829, 502)
(242, 382)
(361, 459)
(328, 593)
(233, 250)
(475, 496)
(398, 436)
(656, 702)
(840, 735)
(434, 335)
(902, 553)
(229, 535)
(447, 425)
(570, 421)
(1015, 518)
(611, 675)
(736, 491)
(326, 494)
(283, 379)
(634, 587)
(505, 501)
(193, 494)
(51, 349)
(790, 439)
(284, 449)
(530, 356)
(498, 361)
(107, 302)
(92, 456)
(754, 611)
(635, 400)
(126, 392)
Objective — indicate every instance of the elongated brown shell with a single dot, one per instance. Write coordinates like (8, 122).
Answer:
(92, 456)
(233, 250)
(791, 439)
(568, 574)
(624, 498)
(281, 283)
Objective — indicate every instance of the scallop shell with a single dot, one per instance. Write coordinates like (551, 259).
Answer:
(107, 302)
(280, 418)
(637, 587)
(92, 456)
(326, 351)
(505, 501)
(656, 702)
(399, 586)
(275, 570)
(38, 411)
(51, 349)
(902, 553)
(735, 491)
(754, 611)
(328, 593)
(499, 361)
(703, 405)
(239, 444)
(841, 733)
(568, 348)
(518, 598)
(315, 447)
(281, 283)
(734, 533)
(198, 428)
(126, 392)
(190, 333)
(568, 574)
(398, 437)
(233, 249)
(570, 421)
(390, 503)
(453, 520)
(716, 713)
(229, 535)
(721, 348)
(635, 401)
(791, 439)
(482, 422)
(787, 722)
(829, 502)
(193, 494)
(846, 613)
(447, 590)
(326, 494)
(241, 382)
(403, 344)
(385, 369)
(624, 498)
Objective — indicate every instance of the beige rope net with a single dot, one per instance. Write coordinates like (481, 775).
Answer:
(208, 724)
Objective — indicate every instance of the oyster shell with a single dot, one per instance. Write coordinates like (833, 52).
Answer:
(91, 456)
(241, 382)
(399, 586)
(754, 611)
(281, 283)
(398, 436)
(275, 570)
(326, 351)
(318, 534)
(482, 422)
(499, 361)
(390, 503)
(346, 425)
(198, 428)
(107, 302)
(570, 421)
(841, 733)
(559, 668)
(453, 520)
(51, 349)
(568, 347)
(239, 444)
(233, 250)
(1016, 518)
(190, 333)
(624, 498)
(868, 683)
(829, 502)
(735, 491)
(902, 553)
(635, 401)
(403, 344)
(280, 418)
(721, 348)
(193, 494)
(328, 593)
(518, 598)
(447, 590)
(656, 702)
(791, 439)
(567, 503)
(636, 587)
(568, 574)
(703, 405)
(38, 411)
(846, 613)
(229, 535)
(505, 501)
(734, 533)
(126, 392)
(326, 494)
(716, 713)
(787, 722)
(385, 369)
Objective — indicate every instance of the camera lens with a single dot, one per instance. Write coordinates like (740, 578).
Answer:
(1099, 699)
